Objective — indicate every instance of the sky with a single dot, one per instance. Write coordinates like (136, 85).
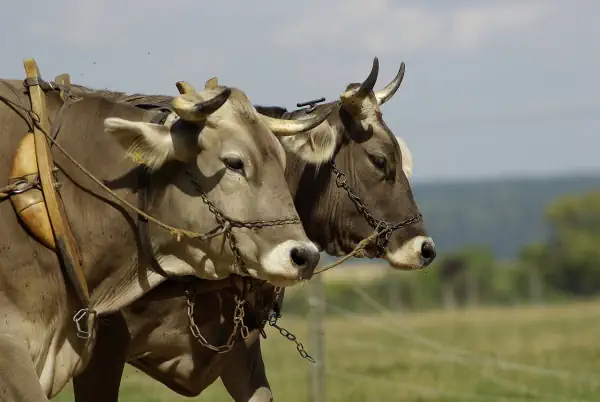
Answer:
(492, 88)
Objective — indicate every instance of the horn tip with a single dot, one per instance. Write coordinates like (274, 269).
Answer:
(180, 87)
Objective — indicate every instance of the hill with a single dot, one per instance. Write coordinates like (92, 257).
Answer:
(503, 214)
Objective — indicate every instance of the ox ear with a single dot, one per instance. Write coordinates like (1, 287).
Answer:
(407, 161)
(146, 143)
(313, 146)
(212, 83)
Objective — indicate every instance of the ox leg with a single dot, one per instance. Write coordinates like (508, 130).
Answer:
(101, 379)
(245, 377)
(19, 381)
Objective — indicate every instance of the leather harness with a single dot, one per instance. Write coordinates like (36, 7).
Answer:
(34, 192)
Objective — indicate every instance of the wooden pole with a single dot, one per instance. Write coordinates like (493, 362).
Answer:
(394, 291)
(316, 302)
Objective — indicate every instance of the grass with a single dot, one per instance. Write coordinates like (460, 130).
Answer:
(487, 354)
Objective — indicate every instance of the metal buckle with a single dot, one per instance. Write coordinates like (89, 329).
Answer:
(80, 315)
(25, 185)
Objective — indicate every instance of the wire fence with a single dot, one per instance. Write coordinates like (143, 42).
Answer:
(509, 378)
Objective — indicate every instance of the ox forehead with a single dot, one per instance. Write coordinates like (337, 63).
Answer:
(242, 119)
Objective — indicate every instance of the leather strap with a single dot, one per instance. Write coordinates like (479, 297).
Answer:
(65, 242)
(142, 196)
(145, 243)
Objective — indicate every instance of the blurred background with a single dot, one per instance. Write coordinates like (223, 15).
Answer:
(500, 108)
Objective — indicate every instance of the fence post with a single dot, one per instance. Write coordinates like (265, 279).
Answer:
(535, 285)
(316, 302)
(394, 291)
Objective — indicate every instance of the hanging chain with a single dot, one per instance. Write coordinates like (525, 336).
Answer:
(299, 346)
(238, 324)
(272, 321)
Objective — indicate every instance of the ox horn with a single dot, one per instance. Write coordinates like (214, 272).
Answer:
(386, 93)
(285, 127)
(190, 109)
(368, 84)
(185, 87)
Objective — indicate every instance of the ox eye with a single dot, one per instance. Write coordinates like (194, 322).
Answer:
(234, 163)
(378, 161)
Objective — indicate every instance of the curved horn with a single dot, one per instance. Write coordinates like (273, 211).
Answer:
(185, 88)
(386, 93)
(284, 127)
(368, 84)
(190, 109)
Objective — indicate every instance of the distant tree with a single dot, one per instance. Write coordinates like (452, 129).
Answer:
(571, 262)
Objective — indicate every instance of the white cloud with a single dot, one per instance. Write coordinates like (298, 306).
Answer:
(381, 26)
(480, 73)
(81, 23)
(470, 28)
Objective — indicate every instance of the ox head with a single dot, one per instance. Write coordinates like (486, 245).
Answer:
(217, 144)
(377, 166)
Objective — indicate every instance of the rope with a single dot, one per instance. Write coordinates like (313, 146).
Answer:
(5, 192)
(360, 247)
(173, 230)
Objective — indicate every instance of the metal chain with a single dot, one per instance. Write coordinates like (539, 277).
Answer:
(227, 224)
(272, 321)
(238, 324)
(383, 228)
(299, 346)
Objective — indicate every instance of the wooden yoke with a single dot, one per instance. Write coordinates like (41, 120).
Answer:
(63, 238)
(29, 203)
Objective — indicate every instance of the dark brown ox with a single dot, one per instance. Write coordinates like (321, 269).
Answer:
(219, 150)
(154, 334)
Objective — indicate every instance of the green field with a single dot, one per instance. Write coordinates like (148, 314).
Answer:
(486, 354)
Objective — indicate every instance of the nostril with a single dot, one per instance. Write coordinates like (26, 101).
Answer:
(428, 251)
(299, 256)
(306, 260)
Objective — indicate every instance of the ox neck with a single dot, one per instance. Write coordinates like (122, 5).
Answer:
(314, 192)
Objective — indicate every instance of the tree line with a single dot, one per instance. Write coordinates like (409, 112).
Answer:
(564, 265)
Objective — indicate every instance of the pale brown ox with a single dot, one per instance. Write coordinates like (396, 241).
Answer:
(215, 144)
